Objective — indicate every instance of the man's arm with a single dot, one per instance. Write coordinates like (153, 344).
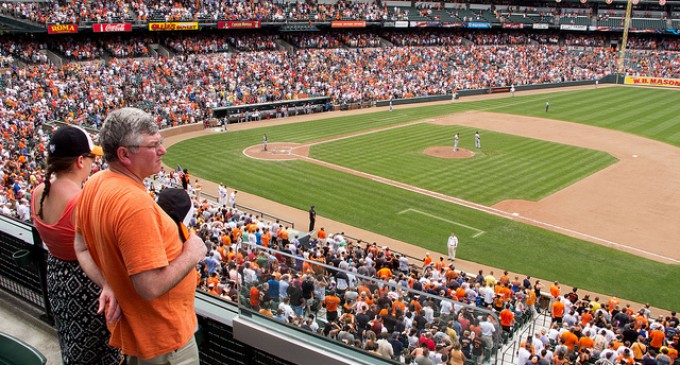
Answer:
(86, 261)
(153, 283)
(107, 300)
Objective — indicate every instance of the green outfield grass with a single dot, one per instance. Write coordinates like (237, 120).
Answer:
(426, 222)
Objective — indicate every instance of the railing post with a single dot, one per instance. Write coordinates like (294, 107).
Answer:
(41, 264)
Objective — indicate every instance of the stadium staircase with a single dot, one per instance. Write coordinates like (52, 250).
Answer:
(525, 327)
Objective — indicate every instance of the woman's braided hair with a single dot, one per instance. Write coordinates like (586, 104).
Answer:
(54, 165)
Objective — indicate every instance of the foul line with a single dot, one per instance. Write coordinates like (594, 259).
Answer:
(479, 231)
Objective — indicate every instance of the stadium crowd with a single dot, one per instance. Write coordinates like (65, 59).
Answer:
(183, 88)
(140, 11)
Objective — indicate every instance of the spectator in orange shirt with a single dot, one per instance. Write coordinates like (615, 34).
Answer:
(640, 320)
(507, 319)
(585, 342)
(331, 303)
(427, 260)
(586, 317)
(384, 272)
(555, 290)
(557, 310)
(656, 338)
(570, 339)
(321, 235)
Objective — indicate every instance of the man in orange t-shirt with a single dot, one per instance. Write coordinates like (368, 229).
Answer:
(507, 319)
(137, 246)
(555, 290)
(557, 310)
(570, 339)
(656, 338)
(427, 260)
(331, 302)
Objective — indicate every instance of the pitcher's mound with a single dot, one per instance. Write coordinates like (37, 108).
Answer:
(280, 151)
(447, 152)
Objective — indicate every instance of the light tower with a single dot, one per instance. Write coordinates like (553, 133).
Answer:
(624, 41)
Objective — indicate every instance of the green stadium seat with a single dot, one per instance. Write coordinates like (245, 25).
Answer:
(13, 351)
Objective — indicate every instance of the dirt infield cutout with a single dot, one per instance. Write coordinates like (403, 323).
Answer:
(277, 151)
(447, 152)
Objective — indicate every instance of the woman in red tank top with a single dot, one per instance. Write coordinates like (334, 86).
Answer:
(74, 298)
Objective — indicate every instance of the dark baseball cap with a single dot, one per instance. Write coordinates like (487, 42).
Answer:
(177, 204)
(72, 141)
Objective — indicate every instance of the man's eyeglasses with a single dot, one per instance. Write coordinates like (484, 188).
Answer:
(89, 155)
(155, 145)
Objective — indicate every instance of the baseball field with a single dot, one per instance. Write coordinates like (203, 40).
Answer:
(587, 193)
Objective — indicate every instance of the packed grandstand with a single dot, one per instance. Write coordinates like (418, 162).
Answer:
(345, 52)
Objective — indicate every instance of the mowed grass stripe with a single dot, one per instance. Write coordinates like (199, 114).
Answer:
(507, 174)
(372, 206)
(613, 107)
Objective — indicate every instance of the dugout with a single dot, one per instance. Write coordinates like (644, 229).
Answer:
(274, 109)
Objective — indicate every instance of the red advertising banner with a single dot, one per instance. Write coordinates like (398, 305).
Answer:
(513, 26)
(244, 24)
(112, 27)
(169, 26)
(348, 24)
(62, 28)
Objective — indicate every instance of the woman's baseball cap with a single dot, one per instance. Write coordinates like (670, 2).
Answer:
(72, 141)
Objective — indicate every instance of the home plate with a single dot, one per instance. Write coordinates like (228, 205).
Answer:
(634, 156)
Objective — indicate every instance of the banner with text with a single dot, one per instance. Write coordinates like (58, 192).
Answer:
(513, 26)
(244, 24)
(112, 27)
(479, 25)
(168, 26)
(453, 25)
(425, 24)
(581, 28)
(652, 81)
(62, 28)
(348, 24)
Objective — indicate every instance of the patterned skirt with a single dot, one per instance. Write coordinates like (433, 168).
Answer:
(83, 336)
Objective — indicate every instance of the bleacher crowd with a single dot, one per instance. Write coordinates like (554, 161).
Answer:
(141, 11)
(183, 88)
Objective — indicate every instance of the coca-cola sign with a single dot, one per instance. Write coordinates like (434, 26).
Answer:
(112, 27)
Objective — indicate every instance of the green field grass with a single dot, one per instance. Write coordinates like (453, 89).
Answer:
(407, 216)
(513, 168)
